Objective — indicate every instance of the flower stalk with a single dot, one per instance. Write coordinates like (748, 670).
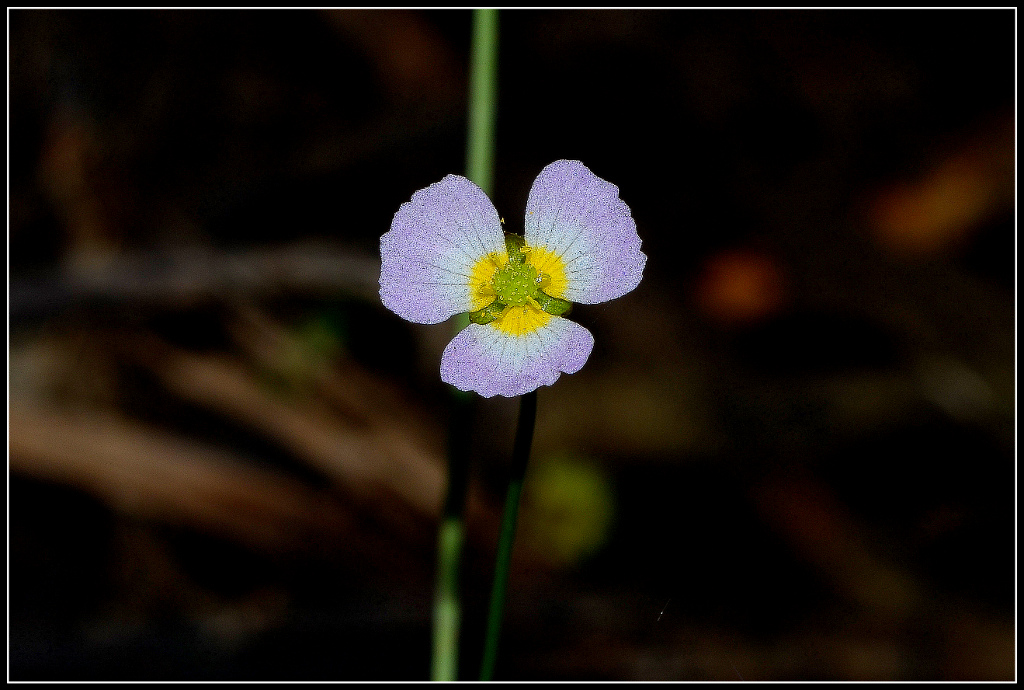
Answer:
(483, 90)
(483, 99)
(503, 559)
(450, 537)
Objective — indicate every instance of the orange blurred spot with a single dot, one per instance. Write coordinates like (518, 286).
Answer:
(973, 183)
(931, 213)
(740, 286)
(414, 62)
(67, 174)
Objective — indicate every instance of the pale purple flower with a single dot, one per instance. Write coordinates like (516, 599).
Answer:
(446, 253)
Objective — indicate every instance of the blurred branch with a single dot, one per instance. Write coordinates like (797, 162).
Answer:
(353, 428)
(190, 274)
(819, 527)
(155, 474)
(363, 460)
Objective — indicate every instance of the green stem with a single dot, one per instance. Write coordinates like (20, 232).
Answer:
(483, 90)
(447, 612)
(520, 456)
(483, 99)
(447, 606)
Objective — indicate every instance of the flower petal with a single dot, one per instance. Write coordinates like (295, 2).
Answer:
(435, 242)
(491, 362)
(580, 218)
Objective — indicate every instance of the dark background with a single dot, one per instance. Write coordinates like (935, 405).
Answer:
(791, 455)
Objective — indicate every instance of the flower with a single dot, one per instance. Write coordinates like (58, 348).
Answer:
(446, 253)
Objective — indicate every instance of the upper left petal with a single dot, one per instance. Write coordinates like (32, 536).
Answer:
(435, 240)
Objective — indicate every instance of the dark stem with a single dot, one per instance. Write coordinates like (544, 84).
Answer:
(520, 456)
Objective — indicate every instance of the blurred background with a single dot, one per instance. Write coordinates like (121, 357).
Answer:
(791, 455)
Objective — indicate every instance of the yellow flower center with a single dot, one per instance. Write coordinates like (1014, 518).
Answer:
(519, 291)
(549, 264)
(481, 291)
(519, 321)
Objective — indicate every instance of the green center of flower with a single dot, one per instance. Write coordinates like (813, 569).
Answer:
(518, 284)
(515, 284)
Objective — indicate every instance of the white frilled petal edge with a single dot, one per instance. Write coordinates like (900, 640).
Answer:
(439, 236)
(581, 219)
(427, 256)
(491, 362)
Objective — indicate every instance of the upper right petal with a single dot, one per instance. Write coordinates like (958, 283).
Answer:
(435, 241)
(578, 220)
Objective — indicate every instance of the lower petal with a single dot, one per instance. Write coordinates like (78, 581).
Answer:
(490, 361)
